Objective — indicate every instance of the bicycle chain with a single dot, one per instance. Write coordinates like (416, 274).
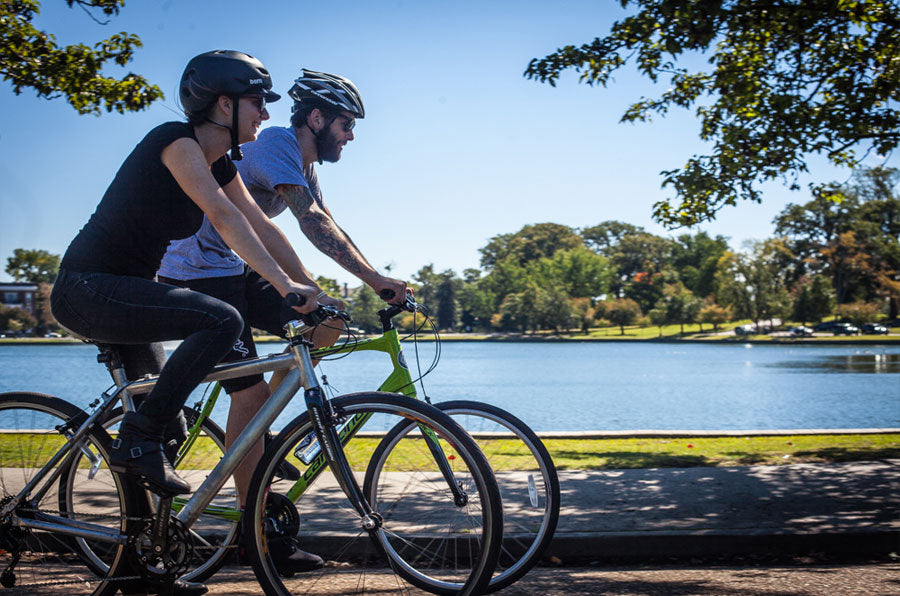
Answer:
(129, 518)
(64, 582)
(84, 515)
(38, 585)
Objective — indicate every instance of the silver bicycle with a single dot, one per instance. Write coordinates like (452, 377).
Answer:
(65, 518)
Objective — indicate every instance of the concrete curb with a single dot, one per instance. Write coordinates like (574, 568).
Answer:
(591, 547)
(684, 434)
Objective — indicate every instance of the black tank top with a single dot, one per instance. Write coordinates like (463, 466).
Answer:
(142, 211)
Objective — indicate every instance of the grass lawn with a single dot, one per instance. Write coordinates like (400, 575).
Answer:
(577, 454)
(603, 454)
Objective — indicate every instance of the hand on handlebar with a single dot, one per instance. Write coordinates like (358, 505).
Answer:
(319, 312)
(392, 290)
(408, 304)
(327, 300)
(301, 298)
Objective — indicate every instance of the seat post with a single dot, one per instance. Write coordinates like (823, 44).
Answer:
(109, 357)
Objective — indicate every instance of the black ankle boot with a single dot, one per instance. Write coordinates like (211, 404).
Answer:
(140, 454)
(175, 434)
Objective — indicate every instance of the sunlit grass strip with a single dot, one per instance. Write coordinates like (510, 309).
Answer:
(568, 454)
(603, 454)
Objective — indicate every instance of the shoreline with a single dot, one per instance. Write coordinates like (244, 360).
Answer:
(887, 340)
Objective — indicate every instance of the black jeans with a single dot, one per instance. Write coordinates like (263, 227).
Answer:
(119, 309)
(260, 305)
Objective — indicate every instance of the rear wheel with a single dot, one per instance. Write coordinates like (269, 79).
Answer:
(425, 539)
(33, 428)
(213, 536)
(525, 473)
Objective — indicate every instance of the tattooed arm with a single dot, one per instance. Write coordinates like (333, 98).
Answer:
(272, 238)
(317, 224)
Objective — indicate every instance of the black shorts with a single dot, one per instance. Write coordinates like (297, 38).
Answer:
(260, 305)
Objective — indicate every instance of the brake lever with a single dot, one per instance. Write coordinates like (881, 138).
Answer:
(408, 305)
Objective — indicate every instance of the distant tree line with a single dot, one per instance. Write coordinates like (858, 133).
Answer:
(836, 254)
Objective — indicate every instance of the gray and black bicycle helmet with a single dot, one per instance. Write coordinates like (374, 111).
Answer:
(224, 72)
(327, 89)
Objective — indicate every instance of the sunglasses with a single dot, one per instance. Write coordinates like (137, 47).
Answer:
(257, 100)
(348, 124)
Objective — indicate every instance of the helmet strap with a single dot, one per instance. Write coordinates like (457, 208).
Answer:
(236, 154)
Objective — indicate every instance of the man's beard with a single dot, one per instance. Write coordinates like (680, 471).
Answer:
(328, 147)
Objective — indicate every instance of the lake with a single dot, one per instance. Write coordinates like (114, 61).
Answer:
(581, 386)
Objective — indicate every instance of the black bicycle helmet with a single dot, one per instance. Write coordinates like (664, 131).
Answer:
(331, 89)
(224, 72)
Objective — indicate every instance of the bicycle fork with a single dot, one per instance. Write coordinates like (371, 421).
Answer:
(324, 424)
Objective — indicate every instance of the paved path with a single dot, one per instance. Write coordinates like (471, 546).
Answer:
(811, 580)
(651, 515)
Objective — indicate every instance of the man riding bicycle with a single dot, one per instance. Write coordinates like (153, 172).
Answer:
(279, 172)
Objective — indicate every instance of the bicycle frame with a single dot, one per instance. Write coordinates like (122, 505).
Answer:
(301, 374)
(398, 381)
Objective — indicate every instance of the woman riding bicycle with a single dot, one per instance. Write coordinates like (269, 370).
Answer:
(106, 291)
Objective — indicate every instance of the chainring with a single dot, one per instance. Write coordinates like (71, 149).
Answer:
(172, 561)
(282, 519)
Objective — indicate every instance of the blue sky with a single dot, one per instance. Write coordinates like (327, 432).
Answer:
(457, 145)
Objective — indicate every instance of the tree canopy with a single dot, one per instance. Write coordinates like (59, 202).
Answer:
(850, 233)
(30, 58)
(787, 79)
(32, 266)
(530, 243)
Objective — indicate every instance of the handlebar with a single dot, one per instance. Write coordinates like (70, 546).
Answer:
(409, 304)
(322, 312)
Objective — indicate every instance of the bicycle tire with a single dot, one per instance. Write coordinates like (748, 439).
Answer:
(525, 473)
(214, 533)
(336, 528)
(32, 422)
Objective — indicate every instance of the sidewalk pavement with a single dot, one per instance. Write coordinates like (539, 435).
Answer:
(846, 509)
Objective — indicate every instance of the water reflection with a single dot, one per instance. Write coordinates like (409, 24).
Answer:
(853, 363)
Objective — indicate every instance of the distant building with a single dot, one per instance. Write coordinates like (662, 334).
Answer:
(19, 295)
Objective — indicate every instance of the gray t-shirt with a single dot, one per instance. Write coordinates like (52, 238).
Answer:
(274, 158)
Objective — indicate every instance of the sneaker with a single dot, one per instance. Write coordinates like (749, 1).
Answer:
(290, 559)
(286, 555)
(285, 470)
(186, 588)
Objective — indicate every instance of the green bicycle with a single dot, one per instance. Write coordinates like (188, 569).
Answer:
(522, 467)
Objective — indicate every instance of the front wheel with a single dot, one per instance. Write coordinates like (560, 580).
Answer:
(525, 473)
(451, 547)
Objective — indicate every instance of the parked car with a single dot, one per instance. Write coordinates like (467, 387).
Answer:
(829, 326)
(52, 334)
(874, 329)
(845, 329)
(801, 331)
(748, 329)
